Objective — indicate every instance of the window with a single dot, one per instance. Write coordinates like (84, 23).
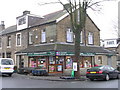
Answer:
(30, 38)
(9, 41)
(43, 36)
(8, 54)
(81, 35)
(18, 39)
(90, 38)
(110, 43)
(69, 62)
(22, 21)
(100, 59)
(69, 35)
(0, 42)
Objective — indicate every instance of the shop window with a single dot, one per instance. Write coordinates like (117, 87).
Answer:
(42, 63)
(100, 60)
(51, 60)
(52, 68)
(68, 63)
(33, 62)
(86, 62)
(59, 60)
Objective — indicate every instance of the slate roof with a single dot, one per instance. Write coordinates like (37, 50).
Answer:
(10, 29)
(65, 48)
(52, 17)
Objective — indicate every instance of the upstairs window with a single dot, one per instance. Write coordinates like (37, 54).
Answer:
(110, 43)
(81, 35)
(69, 35)
(9, 41)
(30, 38)
(0, 42)
(90, 38)
(43, 36)
(18, 39)
(22, 21)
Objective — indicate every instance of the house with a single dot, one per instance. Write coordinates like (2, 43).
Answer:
(118, 50)
(48, 43)
(110, 44)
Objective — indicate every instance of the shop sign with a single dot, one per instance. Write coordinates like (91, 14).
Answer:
(72, 54)
(64, 53)
(87, 54)
(42, 54)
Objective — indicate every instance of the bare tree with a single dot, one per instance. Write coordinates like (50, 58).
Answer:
(78, 12)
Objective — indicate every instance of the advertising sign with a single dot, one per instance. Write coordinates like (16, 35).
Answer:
(75, 66)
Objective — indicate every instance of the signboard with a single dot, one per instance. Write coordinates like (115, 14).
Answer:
(42, 54)
(58, 54)
(72, 54)
(75, 66)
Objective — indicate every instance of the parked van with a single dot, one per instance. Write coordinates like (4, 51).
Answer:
(6, 66)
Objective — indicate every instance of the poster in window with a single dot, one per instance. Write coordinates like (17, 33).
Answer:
(59, 68)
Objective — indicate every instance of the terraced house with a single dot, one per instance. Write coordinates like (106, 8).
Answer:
(47, 42)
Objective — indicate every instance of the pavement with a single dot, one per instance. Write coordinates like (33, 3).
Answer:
(53, 77)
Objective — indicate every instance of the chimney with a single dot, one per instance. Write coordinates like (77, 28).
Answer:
(2, 26)
(26, 12)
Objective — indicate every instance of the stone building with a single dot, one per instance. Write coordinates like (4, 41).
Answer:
(48, 43)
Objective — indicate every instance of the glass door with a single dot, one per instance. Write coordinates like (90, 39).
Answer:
(56, 64)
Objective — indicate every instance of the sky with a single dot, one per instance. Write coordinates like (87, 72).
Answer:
(105, 19)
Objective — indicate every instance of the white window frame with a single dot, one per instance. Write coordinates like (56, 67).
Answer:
(69, 35)
(30, 38)
(90, 38)
(81, 37)
(17, 39)
(9, 46)
(43, 35)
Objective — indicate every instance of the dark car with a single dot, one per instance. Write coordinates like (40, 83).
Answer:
(104, 72)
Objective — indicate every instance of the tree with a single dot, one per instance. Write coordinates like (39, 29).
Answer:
(77, 10)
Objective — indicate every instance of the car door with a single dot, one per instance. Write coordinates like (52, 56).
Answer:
(112, 72)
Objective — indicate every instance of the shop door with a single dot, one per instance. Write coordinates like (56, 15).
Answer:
(55, 64)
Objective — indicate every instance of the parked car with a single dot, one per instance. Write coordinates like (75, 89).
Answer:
(6, 66)
(104, 72)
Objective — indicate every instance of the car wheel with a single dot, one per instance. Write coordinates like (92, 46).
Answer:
(10, 75)
(118, 76)
(91, 79)
(107, 77)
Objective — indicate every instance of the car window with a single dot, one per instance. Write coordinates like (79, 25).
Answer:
(111, 68)
(6, 62)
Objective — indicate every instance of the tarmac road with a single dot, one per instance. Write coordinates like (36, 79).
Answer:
(23, 81)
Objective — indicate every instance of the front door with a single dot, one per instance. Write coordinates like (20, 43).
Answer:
(55, 64)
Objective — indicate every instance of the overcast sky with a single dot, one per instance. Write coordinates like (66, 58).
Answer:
(106, 19)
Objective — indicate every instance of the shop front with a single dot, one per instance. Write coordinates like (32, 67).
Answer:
(58, 58)
(56, 62)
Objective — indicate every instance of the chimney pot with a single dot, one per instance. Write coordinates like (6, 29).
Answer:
(26, 12)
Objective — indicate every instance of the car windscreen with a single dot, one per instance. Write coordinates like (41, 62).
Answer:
(96, 68)
(6, 62)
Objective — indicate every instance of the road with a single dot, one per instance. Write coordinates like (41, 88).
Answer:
(21, 81)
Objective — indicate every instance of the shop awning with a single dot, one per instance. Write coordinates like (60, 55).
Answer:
(63, 50)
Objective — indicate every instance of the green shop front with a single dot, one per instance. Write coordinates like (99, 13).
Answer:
(55, 58)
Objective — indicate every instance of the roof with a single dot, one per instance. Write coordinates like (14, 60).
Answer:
(65, 48)
(52, 17)
(10, 29)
